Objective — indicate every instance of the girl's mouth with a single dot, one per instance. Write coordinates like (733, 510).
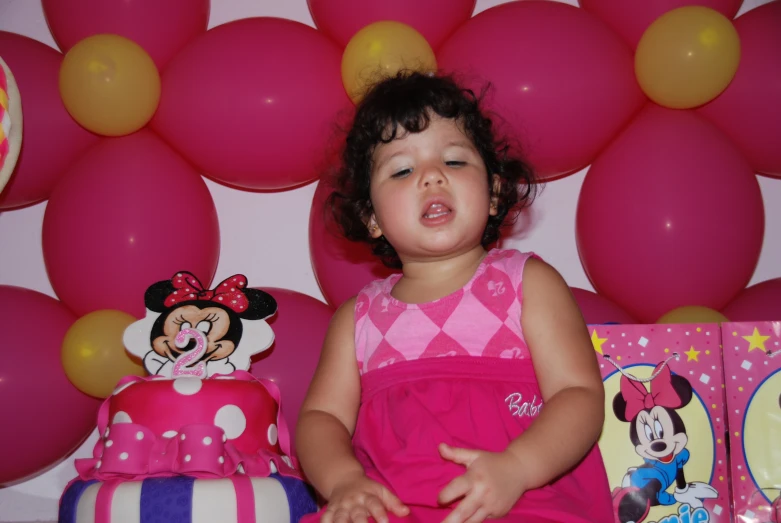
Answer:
(436, 210)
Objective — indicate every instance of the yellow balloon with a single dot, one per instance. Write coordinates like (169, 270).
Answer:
(692, 314)
(93, 355)
(382, 49)
(687, 57)
(109, 85)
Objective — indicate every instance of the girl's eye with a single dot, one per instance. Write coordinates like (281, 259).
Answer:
(455, 163)
(401, 174)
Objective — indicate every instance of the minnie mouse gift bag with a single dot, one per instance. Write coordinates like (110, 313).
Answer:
(752, 367)
(663, 438)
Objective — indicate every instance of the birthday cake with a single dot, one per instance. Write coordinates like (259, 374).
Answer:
(10, 123)
(200, 439)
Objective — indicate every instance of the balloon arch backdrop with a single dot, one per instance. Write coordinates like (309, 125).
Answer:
(674, 107)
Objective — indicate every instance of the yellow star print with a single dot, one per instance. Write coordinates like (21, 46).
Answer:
(597, 342)
(692, 355)
(756, 341)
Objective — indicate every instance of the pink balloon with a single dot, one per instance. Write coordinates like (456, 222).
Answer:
(563, 83)
(749, 110)
(669, 215)
(299, 328)
(342, 267)
(252, 103)
(760, 302)
(52, 140)
(599, 310)
(161, 28)
(44, 417)
(129, 213)
(434, 19)
(631, 19)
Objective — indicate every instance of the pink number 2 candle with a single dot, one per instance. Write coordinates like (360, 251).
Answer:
(183, 364)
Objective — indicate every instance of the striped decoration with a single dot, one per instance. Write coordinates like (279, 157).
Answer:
(239, 499)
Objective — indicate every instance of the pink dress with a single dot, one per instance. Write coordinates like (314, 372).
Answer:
(457, 370)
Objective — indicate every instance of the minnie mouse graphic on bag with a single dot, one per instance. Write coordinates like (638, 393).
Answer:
(662, 440)
(225, 316)
(659, 435)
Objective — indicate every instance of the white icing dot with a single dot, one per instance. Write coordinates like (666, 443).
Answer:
(182, 436)
(272, 434)
(170, 434)
(123, 456)
(207, 440)
(98, 464)
(139, 435)
(188, 457)
(231, 419)
(109, 443)
(272, 467)
(122, 417)
(287, 461)
(221, 460)
(187, 386)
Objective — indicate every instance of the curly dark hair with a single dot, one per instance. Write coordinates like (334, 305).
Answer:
(407, 100)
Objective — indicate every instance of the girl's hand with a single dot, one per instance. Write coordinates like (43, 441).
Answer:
(357, 497)
(491, 485)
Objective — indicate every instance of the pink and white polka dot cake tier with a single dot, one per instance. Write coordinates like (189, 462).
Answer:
(224, 436)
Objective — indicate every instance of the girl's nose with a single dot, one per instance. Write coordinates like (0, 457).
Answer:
(432, 175)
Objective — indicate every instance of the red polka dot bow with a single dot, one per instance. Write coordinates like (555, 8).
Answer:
(229, 292)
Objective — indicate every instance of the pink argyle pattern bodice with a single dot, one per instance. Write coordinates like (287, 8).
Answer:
(483, 318)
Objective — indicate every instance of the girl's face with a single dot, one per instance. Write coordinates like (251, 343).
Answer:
(430, 193)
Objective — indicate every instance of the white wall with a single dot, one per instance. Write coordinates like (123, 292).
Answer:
(284, 250)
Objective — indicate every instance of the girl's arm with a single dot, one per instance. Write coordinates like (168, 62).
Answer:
(328, 415)
(567, 370)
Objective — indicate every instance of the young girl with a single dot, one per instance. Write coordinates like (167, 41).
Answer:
(465, 388)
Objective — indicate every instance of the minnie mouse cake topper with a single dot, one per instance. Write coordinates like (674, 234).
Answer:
(192, 331)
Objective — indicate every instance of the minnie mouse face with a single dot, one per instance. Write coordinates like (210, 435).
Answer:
(655, 428)
(218, 314)
(220, 330)
(658, 434)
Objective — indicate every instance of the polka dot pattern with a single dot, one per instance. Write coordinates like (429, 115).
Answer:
(121, 417)
(232, 420)
(229, 292)
(189, 427)
(694, 354)
(753, 387)
(187, 386)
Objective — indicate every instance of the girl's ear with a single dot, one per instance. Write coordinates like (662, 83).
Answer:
(496, 189)
(374, 228)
